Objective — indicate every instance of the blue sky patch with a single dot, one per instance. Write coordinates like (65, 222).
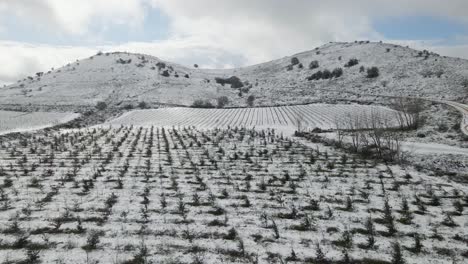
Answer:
(420, 28)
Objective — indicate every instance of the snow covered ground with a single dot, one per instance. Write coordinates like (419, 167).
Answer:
(217, 196)
(186, 185)
(323, 116)
(11, 121)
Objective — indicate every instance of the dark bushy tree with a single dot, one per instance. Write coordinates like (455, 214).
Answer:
(313, 65)
(294, 61)
(142, 105)
(101, 106)
(250, 100)
(337, 72)
(165, 73)
(373, 72)
(352, 62)
(199, 103)
(222, 101)
(326, 74)
(234, 81)
(316, 76)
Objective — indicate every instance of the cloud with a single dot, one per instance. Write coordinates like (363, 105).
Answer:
(22, 59)
(215, 33)
(74, 17)
(262, 29)
(186, 51)
(265, 29)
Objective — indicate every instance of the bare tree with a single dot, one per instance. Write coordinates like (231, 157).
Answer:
(340, 130)
(353, 125)
(371, 134)
(392, 141)
(408, 112)
(299, 122)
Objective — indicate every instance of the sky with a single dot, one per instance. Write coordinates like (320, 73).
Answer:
(36, 35)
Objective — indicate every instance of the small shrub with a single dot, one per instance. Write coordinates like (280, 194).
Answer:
(397, 256)
(122, 61)
(373, 72)
(337, 72)
(92, 240)
(101, 106)
(165, 73)
(313, 65)
(142, 105)
(160, 65)
(352, 62)
(294, 61)
(250, 100)
(388, 219)
(199, 103)
(316, 76)
(320, 256)
(128, 107)
(222, 101)
(417, 248)
(33, 256)
(448, 221)
(326, 74)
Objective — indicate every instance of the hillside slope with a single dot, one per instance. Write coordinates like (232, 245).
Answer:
(125, 78)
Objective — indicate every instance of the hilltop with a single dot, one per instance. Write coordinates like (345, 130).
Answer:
(121, 78)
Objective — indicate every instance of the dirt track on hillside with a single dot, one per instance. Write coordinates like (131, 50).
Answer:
(464, 110)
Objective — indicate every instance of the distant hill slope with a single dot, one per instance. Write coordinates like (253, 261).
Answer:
(125, 78)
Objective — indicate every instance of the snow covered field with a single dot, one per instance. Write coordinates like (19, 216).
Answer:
(322, 116)
(216, 196)
(11, 121)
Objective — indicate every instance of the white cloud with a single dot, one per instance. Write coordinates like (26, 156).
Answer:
(74, 17)
(22, 59)
(262, 30)
(215, 33)
(265, 29)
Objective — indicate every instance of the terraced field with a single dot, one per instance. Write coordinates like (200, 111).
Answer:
(323, 116)
(11, 121)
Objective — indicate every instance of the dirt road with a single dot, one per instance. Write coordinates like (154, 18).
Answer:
(464, 110)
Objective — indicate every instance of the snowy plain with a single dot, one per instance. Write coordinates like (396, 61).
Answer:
(11, 121)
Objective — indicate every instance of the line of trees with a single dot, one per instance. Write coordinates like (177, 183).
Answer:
(377, 134)
(369, 134)
(409, 112)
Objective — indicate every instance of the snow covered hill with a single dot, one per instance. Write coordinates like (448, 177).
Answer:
(124, 78)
